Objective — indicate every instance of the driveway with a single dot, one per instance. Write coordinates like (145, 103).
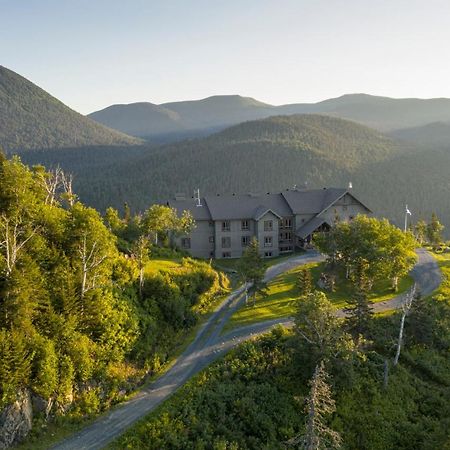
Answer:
(209, 345)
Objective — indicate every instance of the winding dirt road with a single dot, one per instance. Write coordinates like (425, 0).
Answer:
(209, 345)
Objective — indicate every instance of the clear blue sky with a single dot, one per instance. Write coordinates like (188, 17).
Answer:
(93, 53)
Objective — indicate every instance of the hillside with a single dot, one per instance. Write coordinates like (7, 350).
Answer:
(435, 134)
(139, 119)
(217, 112)
(30, 118)
(172, 121)
(270, 154)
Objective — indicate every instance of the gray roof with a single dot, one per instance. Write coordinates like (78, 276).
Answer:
(312, 201)
(246, 206)
(253, 206)
(310, 226)
(189, 204)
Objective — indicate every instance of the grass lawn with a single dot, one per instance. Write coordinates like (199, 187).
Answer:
(282, 297)
(162, 264)
(233, 263)
(443, 260)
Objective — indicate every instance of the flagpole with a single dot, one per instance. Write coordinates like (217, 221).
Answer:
(406, 218)
(407, 211)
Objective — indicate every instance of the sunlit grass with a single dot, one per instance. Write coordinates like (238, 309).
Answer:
(282, 297)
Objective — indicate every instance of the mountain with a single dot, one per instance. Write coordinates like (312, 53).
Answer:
(382, 113)
(273, 153)
(178, 120)
(269, 155)
(30, 118)
(436, 134)
(211, 114)
(139, 119)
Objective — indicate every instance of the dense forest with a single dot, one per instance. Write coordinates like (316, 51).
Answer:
(267, 156)
(263, 395)
(30, 118)
(82, 323)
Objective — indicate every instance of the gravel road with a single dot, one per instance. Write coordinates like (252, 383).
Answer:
(208, 346)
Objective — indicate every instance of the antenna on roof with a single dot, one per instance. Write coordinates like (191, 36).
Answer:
(197, 197)
(350, 185)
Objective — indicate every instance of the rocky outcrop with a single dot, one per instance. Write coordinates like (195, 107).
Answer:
(16, 420)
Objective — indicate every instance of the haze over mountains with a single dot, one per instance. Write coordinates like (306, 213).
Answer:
(149, 121)
(30, 118)
(405, 160)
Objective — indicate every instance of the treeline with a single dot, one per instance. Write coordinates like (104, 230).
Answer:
(267, 155)
(79, 325)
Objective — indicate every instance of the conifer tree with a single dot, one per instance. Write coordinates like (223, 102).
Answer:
(305, 282)
(252, 269)
(319, 407)
(434, 230)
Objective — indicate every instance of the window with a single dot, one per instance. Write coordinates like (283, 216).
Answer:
(244, 225)
(245, 240)
(267, 254)
(268, 241)
(268, 225)
(185, 243)
(286, 223)
(226, 225)
(226, 242)
(226, 255)
(211, 239)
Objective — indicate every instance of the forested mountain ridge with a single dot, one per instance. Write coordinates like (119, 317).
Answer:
(217, 112)
(270, 154)
(30, 118)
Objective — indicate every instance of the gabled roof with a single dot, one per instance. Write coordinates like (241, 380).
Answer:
(309, 227)
(312, 201)
(246, 206)
(254, 206)
(262, 211)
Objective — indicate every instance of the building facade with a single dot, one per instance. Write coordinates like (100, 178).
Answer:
(225, 224)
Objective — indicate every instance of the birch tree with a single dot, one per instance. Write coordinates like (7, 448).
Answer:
(406, 307)
(14, 235)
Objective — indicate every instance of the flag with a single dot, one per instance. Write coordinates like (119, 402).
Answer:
(407, 210)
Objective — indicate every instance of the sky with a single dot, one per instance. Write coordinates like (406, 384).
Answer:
(94, 53)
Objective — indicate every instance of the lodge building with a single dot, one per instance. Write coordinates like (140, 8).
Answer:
(225, 224)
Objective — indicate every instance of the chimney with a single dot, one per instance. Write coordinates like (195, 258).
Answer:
(350, 185)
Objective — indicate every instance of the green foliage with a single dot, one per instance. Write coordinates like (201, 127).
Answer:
(369, 245)
(434, 230)
(305, 283)
(253, 397)
(31, 119)
(252, 268)
(71, 320)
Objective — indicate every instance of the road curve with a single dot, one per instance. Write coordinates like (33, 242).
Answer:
(206, 347)
(209, 345)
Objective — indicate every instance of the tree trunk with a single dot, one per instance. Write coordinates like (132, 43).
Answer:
(400, 338)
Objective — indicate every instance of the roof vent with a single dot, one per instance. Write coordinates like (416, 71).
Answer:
(180, 196)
